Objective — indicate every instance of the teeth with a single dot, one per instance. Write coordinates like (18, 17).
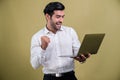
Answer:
(58, 23)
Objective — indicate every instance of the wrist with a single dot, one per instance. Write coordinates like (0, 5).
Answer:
(43, 47)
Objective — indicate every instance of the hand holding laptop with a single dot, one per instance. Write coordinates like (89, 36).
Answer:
(82, 57)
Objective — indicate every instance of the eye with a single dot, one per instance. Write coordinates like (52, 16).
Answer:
(63, 16)
(58, 16)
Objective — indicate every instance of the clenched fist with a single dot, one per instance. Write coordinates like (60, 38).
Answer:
(44, 42)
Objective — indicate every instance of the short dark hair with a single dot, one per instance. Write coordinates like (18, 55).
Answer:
(49, 9)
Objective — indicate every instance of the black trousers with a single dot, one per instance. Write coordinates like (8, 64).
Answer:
(67, 76)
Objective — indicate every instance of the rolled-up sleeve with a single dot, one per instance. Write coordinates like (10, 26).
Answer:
(37, 53)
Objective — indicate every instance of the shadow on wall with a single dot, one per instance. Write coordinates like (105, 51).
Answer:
(1, 1)
(118, 77)
(119, 1)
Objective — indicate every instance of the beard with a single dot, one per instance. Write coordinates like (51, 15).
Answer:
(56, 26)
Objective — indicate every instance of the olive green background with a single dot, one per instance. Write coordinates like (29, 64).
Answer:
(20, 19)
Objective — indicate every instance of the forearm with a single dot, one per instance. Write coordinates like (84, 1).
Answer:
(37, 57)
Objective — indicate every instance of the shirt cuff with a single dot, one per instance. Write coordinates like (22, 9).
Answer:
(42, 55)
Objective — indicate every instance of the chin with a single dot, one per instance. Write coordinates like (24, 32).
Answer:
(58, 27)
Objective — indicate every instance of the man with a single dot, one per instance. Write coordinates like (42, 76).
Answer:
(56, 46)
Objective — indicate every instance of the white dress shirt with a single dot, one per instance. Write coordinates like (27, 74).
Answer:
(57, 56)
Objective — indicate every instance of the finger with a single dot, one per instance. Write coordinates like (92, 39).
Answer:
(45, 39)
(83, 56)
(89, 55)
(48, 40)
(77, 58)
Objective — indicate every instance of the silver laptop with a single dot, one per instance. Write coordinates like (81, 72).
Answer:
(91, 43)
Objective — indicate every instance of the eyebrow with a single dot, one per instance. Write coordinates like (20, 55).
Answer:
(60, 15)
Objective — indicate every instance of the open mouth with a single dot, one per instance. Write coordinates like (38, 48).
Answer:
(59, 24)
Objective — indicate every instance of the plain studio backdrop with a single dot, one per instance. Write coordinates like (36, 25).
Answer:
(20, 19)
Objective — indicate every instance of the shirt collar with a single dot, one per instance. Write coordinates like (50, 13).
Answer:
(47, 31)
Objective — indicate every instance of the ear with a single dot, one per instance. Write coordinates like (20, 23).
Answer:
(47, 16)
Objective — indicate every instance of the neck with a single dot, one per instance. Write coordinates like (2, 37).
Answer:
(51, 29)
